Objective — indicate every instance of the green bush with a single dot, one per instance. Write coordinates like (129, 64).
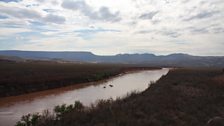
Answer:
(62, 109)
(29, 120)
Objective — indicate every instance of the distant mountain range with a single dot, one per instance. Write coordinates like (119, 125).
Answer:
(177, 60)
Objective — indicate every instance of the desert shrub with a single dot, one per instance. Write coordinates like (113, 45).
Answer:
(59, 110)
(78, 106)
(184, 97)
(29, 120)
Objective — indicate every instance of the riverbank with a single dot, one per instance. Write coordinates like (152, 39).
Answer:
(7, 101)
(115, 87)
(184, 97)
(27, 77)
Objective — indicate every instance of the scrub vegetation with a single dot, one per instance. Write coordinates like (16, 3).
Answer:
(24, 77)
(21, 78)
(184, 97)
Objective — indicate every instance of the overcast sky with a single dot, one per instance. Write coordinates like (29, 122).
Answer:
(108, 27)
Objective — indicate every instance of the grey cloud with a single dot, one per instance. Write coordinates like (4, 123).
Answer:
(185, 1)
(105, 14)
(144, 31)
(197, 30)
(76, 5)
(166, 1)
(55, 2)
(218, 30)
(41, 1)
(102, 14)
(89, 33)
(19, 12)
(172, 34)
(22, 13)
(202, 15)
(32, 5)
(149, 15)
(50, 10)
(54, 19)
(3, 17)
(215, 29)
(7, 1)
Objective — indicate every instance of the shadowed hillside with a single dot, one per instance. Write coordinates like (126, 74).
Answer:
(21, 77)
(25, 77)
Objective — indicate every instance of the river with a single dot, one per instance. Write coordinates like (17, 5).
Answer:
(12, 108)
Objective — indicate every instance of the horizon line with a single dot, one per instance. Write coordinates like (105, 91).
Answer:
(84, 51)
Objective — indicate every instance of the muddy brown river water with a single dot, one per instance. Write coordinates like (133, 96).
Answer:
(12, 108)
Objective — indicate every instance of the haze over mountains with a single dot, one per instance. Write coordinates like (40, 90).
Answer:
(172, 60)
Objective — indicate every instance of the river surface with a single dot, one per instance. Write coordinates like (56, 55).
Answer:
(12, 108)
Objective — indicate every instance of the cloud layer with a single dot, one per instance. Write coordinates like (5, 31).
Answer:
(102, 14)
(109, 27)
